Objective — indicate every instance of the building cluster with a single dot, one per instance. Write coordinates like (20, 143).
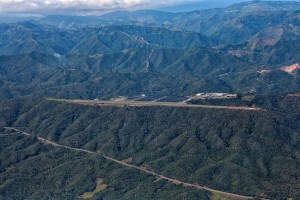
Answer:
(213, 96)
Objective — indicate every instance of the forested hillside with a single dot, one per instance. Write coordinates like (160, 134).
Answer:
(244, 152)
(239, 49)
(246, 56)
(230, 69)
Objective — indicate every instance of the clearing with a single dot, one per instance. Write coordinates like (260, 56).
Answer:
(150, 103)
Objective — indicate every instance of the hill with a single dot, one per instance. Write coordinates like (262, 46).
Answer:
(190, 144)
(233, 25)
(56, 150)
(28, 37)
(236, 68)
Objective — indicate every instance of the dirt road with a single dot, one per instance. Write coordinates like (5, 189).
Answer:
(159, 176)
(152, 103)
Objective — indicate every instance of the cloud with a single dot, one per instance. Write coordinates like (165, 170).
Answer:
(40, 6)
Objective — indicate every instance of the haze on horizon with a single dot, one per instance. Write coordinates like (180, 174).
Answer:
(97, 7)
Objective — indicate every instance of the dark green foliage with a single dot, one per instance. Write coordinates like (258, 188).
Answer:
(32, 170)
(51, 40)
(157, 54)
(170, 72)
(103, 61)
(222, 102)
(280, 103)
(236, 151)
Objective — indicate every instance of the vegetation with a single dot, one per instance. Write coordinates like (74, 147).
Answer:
(254, 20)
(32, 170)
(100, 187)
(97, 60)
(239, 101)
(38, 75)
(281, 103)
(240, 49)
(235, 151)
(219, 197)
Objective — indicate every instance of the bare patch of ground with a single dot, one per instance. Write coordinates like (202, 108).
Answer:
(290, 69)
(100, 187)
(126, 103)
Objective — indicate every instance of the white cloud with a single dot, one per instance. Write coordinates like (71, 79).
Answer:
(36, 6)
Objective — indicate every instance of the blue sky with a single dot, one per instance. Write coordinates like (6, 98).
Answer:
(82, 7)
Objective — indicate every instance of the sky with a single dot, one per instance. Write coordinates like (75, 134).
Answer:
(96, 7)
(81, 6)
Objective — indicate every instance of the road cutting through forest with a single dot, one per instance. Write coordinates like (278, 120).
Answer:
(151, 103)
(139, 168)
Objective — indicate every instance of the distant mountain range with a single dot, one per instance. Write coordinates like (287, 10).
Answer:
(250, 49)
(210, 50)
(26, 37)
(233, 25)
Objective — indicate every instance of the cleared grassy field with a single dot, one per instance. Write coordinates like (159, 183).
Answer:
(100, 187)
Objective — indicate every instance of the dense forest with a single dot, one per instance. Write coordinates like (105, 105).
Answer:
(239, 49)
(251, 49)
(245, 152)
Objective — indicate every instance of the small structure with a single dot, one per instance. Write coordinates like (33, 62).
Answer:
(200, 94)
(120, 98)
(213, 96)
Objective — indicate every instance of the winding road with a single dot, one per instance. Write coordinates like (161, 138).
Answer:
(142, 169)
